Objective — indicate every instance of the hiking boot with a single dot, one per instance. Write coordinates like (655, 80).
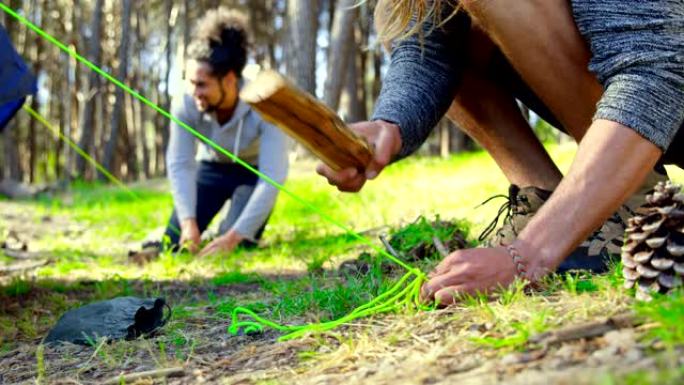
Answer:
(595, 254)
(521, 205)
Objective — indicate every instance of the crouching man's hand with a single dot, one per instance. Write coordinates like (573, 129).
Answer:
(190, 235)
(385, 138)
(223, 244)
(470, 271)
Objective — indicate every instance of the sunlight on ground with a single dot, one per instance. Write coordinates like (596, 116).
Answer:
(111, 221)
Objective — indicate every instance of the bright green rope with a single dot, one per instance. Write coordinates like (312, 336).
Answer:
(383, 303)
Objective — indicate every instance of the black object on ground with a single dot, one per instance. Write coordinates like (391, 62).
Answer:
(119, 318)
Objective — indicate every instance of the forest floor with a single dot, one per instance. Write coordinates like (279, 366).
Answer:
(574, 329)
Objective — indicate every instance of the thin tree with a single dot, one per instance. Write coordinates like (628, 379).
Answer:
(91, 88)
(118, 109)
(341, 45)
(302, 17)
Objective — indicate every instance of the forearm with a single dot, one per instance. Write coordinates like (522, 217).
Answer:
(421, 81)
(256, 211)
(611, 163)
(273, 162)
(180, 161)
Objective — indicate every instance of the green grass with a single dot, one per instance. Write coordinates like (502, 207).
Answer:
(292, 278)
(668, 312)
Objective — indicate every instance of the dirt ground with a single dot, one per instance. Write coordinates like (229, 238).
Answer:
(425, 348)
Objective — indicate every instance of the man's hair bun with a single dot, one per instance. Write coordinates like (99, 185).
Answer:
(221, 40)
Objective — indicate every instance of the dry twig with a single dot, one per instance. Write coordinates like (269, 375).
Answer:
(7, 270)
(21, 254)
(166, 372)
(440, 247)
(587, 330)
(389, 247)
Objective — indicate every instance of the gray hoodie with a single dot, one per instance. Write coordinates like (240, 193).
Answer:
(246, 135)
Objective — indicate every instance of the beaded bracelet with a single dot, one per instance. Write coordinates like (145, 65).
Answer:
(521, 269)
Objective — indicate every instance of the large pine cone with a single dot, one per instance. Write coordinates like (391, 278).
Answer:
(653, 255)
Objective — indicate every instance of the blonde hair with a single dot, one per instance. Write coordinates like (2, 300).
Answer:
(393, 17)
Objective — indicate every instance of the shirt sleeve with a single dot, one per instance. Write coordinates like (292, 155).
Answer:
(180, 161)
(273, 162)
(421, 80)
(638, 56)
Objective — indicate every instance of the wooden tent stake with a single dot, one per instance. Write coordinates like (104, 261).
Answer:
(307, 120)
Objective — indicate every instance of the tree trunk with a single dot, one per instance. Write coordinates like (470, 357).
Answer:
(91, 90)
(74, 85)
(377, 73)
(186, 34)
(139, 110)
(302, 17)
(118, 109)
(341, 46)
(12, 163)
(444, 138)
(35, 105)
(162, 123)
(355, 90)
(159, 165)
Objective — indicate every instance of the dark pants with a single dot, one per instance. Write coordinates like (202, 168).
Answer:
(216, 183)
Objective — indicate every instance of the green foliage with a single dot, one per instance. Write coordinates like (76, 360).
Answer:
(577, 283)
(324, 298)
(235, 277)
(17, 287)
(415, 240)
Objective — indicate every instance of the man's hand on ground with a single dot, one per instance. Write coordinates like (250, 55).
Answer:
(190, 235)
(471, 272)
(223, 244)
(385, 139)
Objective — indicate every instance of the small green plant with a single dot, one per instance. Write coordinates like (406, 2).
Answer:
(668, 311)
(416, 241)
(235, 277)
(40, 364)
(17, 287)
(577, 283)
(510, 295)
(522, 333)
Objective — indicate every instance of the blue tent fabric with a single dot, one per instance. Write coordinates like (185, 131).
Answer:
(16, 81)
(8, 110)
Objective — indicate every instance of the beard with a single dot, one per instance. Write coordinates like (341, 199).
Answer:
(212, 107)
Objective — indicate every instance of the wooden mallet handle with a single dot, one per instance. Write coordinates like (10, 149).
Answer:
(307, 120)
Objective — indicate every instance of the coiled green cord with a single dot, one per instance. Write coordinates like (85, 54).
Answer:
(403, 294)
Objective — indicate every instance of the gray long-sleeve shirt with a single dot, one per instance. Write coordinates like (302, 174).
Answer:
(638, 55)
(246, 135)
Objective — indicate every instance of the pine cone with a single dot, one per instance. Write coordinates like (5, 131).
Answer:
(653, 254)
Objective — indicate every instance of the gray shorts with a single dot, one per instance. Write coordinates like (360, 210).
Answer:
(638, 55)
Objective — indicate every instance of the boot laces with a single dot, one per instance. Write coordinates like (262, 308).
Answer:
(508, 209)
